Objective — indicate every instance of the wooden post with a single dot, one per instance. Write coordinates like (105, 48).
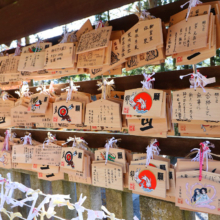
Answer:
(69, 188)
(114, 201)
(120, 203)
(57, 188)
(151, 208)
(25, 180)
(127, 205)
(93, 194)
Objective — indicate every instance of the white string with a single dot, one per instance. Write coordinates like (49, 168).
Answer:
(27, 139)
(152, 150)
(50, 139)
(192, 3)
(53, 200)
(196, 80)
(147, 80)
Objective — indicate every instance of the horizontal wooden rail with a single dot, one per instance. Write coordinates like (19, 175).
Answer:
(172, 146)
(164, 80)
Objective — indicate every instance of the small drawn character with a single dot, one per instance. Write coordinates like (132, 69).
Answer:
(3, 159)
(36, 104)
(131, 100)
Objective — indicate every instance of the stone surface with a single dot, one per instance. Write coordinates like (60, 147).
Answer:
(154, 209)
(93, 194)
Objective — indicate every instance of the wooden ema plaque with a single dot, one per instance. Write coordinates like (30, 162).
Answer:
(22, 153)
(195, 195)
(172, 183)
(23, 166)
(9, 64)
(163, 165)
(116, 62)
(107, 175)
(144, 36)
(44, 168)
(195, 11)
(31, 61)
(59, 56)
(149, 57)
(5, 107)
(143, 102)
(189, 104)
(94, 39)
(91, 59)
(20, 116)
(67, 112)
(43, 120)
(86, 27)
(188, 35)
(51, 176)
(72, 158)
(47, 155)
(38, 103)
(188, 165)
(103, 113)
(148, 181)
(202, 129)
(114, 155)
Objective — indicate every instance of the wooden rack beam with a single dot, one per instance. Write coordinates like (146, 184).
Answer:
(164, 80)
(172, 146)
(24, 17)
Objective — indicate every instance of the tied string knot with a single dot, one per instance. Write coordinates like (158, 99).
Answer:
(145, 15)
(6, 140)
(65, 37)
(196, 80)
(152, 149)
(70, 89)
(111, 143)
(204, 152)
(51, 87)
(4, 95)
(99, 24)
(50, 139)
(106, 87)
(38, 49)
(24, 91)
(192, 3)
(78, 142)
(18, 48)
(27, 139)
(147, 82)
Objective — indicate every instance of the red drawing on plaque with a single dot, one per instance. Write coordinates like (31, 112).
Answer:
(62, 164)
(40, 174)
(29, 108)
(35, 166)
(140, 102)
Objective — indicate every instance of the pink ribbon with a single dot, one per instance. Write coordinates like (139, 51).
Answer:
(6, 141)
(203, 149)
